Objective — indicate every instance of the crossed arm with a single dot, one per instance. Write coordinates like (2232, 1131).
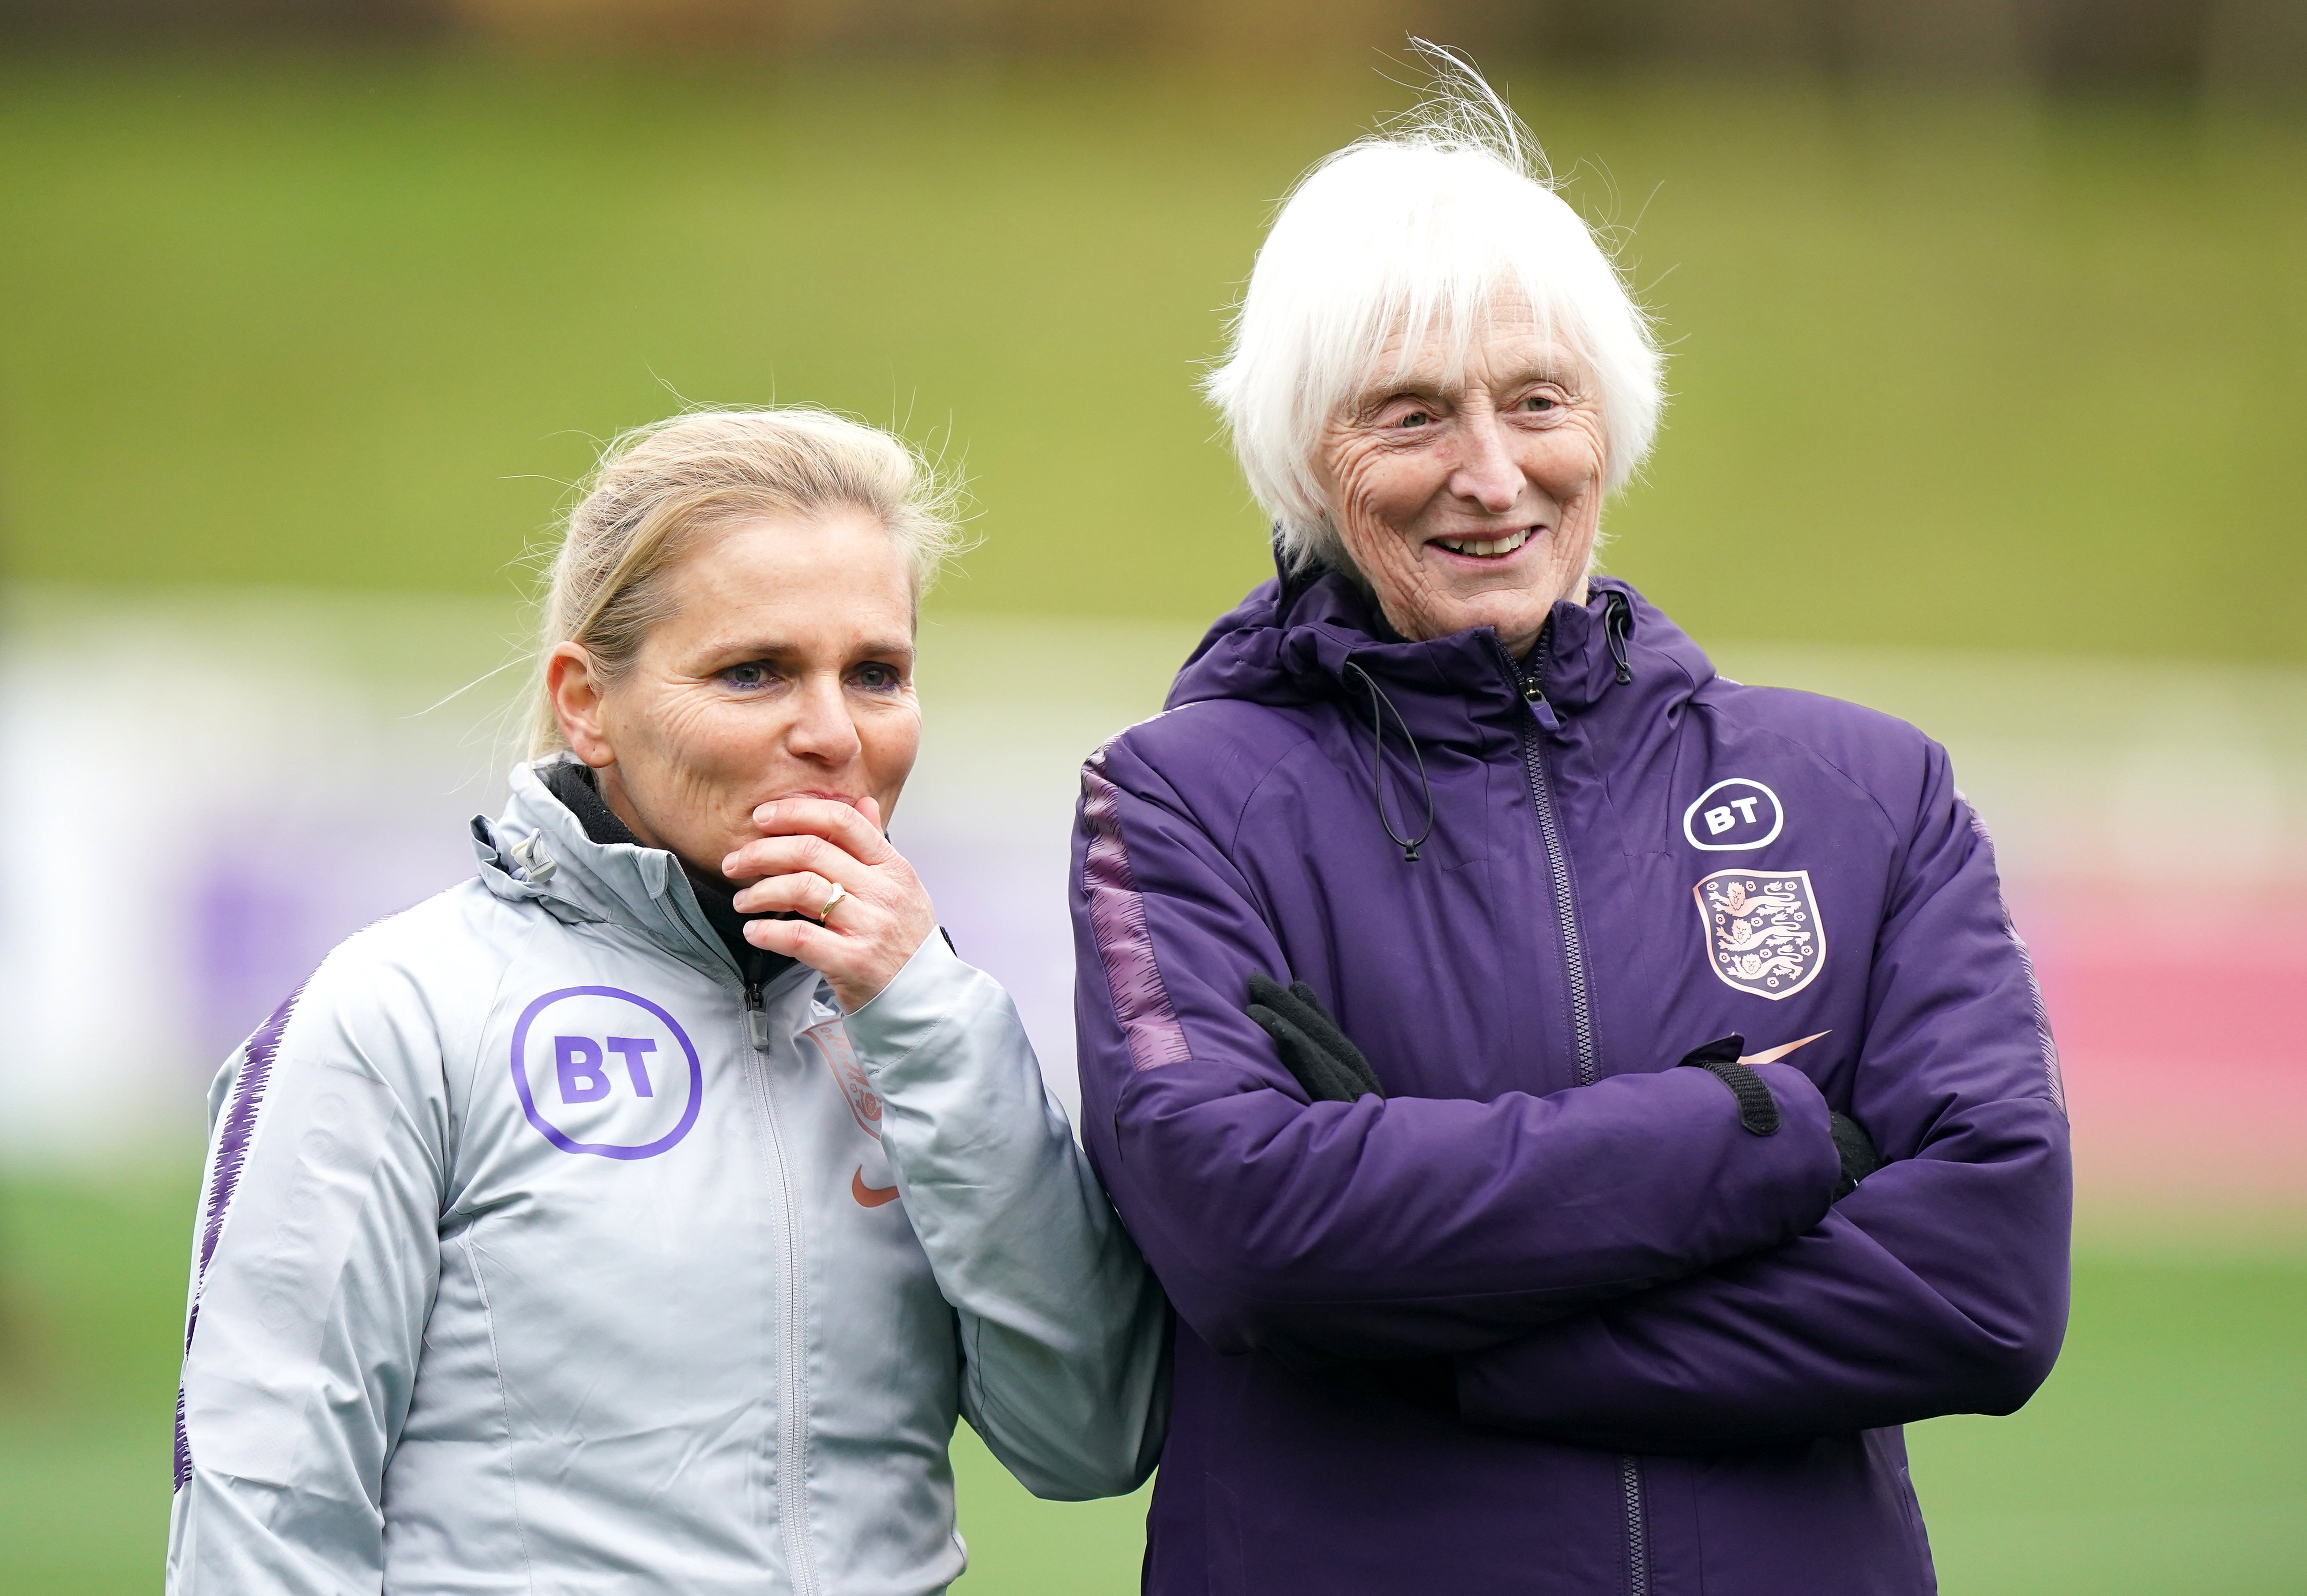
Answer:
(1736, 1303)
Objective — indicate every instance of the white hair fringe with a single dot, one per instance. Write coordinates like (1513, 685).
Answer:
(1418, 230)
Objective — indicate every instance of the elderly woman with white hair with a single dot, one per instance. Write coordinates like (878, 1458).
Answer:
(1396, 925)
(639, 1215)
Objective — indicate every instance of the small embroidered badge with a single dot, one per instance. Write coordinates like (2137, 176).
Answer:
(1763, 930)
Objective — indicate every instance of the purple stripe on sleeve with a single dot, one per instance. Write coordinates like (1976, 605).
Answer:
(239, 1127)
(183, 1446)
(1117, 918)
(232, 1152)
(2053, 1080)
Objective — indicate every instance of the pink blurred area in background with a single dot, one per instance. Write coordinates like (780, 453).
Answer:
(2177, 1011)
(2179, 1027)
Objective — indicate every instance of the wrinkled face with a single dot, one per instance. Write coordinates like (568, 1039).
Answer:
(786, 669)
(1472, 500)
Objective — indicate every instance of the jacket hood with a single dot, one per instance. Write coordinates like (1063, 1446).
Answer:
(1292, 640)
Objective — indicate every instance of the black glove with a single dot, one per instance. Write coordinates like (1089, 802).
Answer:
(1860, 1156)
(1327, 1065)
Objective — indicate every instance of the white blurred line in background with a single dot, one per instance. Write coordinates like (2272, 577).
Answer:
(209, 790)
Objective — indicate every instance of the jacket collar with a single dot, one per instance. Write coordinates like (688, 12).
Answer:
(538, 852)
(1290, 641)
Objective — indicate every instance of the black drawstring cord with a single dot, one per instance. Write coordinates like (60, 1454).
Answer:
(1409, 845)
(1618, 620)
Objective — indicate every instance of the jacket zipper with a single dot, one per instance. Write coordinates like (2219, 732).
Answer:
(1638, 1546)
(1532, 686)
(1558, 864)
(757, 1018)
(793, 1425)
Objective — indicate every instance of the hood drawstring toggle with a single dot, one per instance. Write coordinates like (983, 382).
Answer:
(1618, 621)
(1380, 707)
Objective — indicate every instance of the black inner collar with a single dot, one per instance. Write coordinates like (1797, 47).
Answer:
(579, 792)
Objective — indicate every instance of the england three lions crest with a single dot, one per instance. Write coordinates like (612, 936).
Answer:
(1762, 930)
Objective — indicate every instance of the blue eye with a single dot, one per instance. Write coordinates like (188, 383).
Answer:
(1538, 402)
(876, 678)
(1416, 418)
(749, 677)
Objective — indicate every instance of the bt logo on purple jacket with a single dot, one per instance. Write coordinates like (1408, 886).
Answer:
(1732, 816)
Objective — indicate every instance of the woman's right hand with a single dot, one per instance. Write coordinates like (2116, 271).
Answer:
(816, 851)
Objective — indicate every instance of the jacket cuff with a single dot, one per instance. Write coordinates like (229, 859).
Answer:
(1758, 1111)
(933, 989)
(1802, 1110)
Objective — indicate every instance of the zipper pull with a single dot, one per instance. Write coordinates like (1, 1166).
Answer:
(757, 1018)
(1535, 696)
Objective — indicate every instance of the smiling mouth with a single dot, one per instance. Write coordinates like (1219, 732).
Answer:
(1496, 547)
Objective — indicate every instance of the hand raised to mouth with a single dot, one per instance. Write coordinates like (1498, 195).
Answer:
(865, 910)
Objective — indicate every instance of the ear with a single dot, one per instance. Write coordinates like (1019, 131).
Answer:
(576, 690)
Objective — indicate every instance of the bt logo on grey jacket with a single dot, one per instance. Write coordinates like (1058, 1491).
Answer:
(603, 1071)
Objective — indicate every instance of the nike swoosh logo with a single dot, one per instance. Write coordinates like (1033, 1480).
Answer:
(1776, 1054)
(869, 1197)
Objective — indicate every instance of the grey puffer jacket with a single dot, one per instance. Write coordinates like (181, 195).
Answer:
(531, 1258)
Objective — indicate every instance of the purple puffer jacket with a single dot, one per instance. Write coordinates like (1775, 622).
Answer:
(1547, 1318)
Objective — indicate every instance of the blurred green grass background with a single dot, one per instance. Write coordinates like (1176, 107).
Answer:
(1950, 369)
(2162, 1457)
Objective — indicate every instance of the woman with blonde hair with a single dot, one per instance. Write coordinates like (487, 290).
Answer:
(639, 1214)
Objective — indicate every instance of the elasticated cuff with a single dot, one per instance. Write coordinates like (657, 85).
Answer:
(1758, 1111)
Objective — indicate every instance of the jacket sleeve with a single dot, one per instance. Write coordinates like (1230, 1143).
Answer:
(314, 1260)
(1061, 1326)
(1374, 1229)
(1939, 1286)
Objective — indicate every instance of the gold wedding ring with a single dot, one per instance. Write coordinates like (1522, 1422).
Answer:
(832, 903)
